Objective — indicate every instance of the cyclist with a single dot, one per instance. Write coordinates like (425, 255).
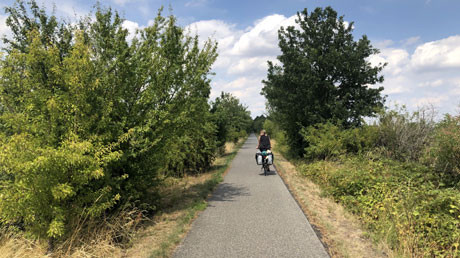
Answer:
(264, 142)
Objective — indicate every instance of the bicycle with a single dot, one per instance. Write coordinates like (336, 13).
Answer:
(265, 165)
(265, 162)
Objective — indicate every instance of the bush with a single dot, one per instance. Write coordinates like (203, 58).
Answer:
(444, 153)
(400, 203)
(327, 140)
(324, 141)
(270, 127)
(361, 139)
(406, 135)
(49, 187)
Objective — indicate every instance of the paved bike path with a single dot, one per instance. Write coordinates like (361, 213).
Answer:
(251, 215)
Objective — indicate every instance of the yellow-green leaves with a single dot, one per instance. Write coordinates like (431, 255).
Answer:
(62, 191)
(56, 229)
(90, 119)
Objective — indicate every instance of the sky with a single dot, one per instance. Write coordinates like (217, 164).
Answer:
(419, 39)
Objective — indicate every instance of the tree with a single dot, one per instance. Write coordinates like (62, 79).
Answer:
(90, 120)
(258, 123)
(323, 75)
(232, 118)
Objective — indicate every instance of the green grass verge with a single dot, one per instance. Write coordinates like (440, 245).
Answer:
(198, 205)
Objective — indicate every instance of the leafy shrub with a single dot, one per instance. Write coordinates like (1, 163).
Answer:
(360, 139)
(444, 152)
(48, 187)
(327, 140)
(400, 203)
(270, 127)
(324, 141)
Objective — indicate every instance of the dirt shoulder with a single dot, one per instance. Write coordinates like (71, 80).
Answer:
(341, 233)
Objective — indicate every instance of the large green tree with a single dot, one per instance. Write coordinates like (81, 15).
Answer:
(324, 74)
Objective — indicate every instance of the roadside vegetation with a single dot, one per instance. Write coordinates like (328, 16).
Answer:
(400, 175)
(94, 123)
(182, 198)
(408, 201)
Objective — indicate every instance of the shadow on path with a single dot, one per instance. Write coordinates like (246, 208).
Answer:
(226, 192)
(270, 173)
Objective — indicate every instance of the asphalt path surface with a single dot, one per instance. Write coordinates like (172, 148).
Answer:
(251, 215)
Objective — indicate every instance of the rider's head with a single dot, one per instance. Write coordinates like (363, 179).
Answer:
(262, 132)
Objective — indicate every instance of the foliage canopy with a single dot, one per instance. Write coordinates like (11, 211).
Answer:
(323, 75)
(90, 119)
(232, 118)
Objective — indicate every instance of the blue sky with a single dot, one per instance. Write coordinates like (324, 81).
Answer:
(419, 39)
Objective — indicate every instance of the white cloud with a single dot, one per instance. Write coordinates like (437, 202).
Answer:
(456, 89)
(397, 61)
(262, 39)
(416, 73)
(225, 34)
(428, 101)
(435, 83)
(250, 65)
(243, 55)
(428, 75)
(4, 29)
(246, 88)
(438, 55)
(383, 43)
(132, 28)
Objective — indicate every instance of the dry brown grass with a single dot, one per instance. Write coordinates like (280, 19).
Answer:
(140, 236)
(169, 228)
(12, 246)
(101, 238)
(339, 230)
(154, 237)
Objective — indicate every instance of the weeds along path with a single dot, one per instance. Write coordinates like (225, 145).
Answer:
(251, 215)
